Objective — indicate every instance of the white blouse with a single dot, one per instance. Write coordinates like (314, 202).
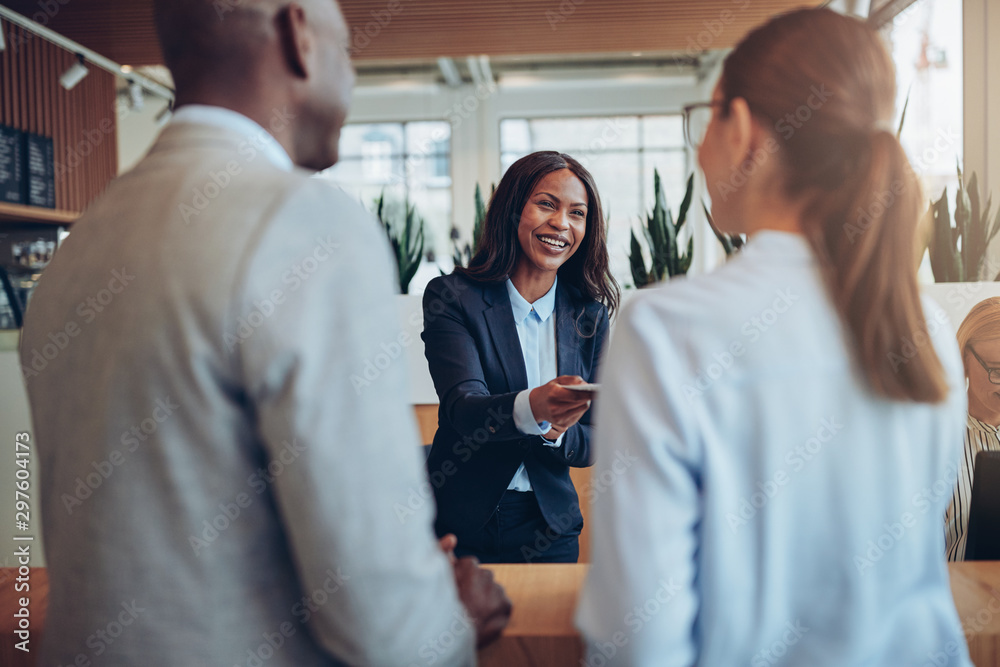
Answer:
(979, 437)
(758, 504)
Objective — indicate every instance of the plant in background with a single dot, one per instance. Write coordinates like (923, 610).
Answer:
(958, 251)
(407, 239)
(731, 243)
(462, 256)
(661, 234)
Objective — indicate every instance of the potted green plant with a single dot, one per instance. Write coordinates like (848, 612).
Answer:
(461, 256)
(662, 238)
(406, 239)
(958, 245)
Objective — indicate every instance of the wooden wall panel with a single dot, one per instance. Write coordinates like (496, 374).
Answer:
(81, 122)
(425, 29)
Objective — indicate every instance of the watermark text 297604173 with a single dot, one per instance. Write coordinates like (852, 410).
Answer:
(22, 541)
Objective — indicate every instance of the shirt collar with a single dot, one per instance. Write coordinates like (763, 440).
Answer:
(227, 119)
(543, 306)
(983, 426)
(778, 244)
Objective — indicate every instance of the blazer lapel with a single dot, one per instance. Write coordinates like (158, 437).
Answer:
(500, 320)
(567, 338)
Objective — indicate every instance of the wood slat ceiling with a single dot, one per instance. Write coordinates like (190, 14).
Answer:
(421, 29)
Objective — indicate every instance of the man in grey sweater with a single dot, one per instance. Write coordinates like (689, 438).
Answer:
(214, 489)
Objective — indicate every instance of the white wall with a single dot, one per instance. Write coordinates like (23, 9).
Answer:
(981, 57)
(15, 418)
(137, 130)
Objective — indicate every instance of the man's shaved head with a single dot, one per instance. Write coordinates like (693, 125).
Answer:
(258, 56)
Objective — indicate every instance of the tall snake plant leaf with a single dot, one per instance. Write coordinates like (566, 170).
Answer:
(406, 240)
(661, 234)
(974, 240)
(638, 265)
(685, 204)
(941, 243)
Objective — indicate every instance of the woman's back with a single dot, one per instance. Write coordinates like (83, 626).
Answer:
(790, 514)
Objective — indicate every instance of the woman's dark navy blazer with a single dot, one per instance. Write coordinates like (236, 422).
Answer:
(475, 360)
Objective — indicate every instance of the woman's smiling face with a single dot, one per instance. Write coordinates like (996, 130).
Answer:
(553, 222)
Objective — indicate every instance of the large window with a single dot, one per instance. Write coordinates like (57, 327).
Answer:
(409, 162)
(621, 152)
(926, 44)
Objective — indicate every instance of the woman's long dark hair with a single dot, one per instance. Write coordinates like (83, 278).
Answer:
(499, 249)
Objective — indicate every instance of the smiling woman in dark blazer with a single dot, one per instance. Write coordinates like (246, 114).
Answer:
(529, 314)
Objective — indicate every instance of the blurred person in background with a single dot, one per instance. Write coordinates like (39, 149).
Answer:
(979, 343)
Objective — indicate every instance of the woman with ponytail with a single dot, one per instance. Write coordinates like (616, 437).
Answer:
(789, 418)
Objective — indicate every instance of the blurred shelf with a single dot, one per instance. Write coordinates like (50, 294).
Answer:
(19, 213)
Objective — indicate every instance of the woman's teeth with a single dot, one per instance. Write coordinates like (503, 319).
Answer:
(552, 242)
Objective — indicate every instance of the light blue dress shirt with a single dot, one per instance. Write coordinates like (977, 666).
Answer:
(759, 503)
(536, 331)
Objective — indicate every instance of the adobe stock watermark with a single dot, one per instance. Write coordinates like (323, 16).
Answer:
(944, 141)
(786, 127)
(892, 534)
(433, 649)
(392, 349)
(231, 510)
(302, 611)
(87, 310)
(561, 13)
(463, 109)
(612, 131)
(362, 36)
(222, 177)
(796, 458)
(264, 308)
(910, 345)
(775, 653)
(164, 408)
(603, 653)
(713, 29)
(464, 449)
(47, 10)
(971, 626)
(752, 330)
(599, 484)
(104, 637)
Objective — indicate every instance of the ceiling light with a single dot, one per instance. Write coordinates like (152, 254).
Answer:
(486, 70)
(136, 98)
(74, 74)
(477, 76)
(450, 72)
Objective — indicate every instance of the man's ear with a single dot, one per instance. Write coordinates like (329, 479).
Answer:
(297, 40)
(738, 136)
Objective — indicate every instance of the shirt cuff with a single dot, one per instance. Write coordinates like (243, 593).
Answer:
(555, 444)
(524, 418)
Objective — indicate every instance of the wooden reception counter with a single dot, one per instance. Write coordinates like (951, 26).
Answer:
(541, 632)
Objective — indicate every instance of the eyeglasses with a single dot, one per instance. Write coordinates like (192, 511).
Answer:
(992, 373)
(696, 119)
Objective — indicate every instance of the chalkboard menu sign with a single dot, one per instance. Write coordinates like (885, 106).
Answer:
(12, 181)
(41, 171)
